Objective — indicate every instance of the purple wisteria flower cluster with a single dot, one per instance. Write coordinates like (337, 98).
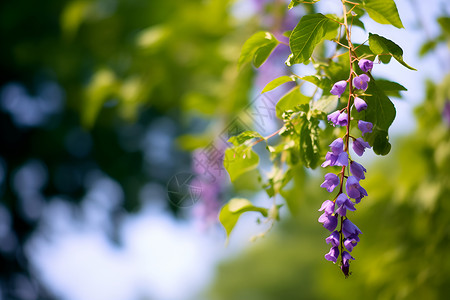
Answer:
(344, 234)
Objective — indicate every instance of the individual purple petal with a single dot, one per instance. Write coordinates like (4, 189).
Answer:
(339, 88)
(343, 119)
(360, 104)
(333, 117)
(330, 160)
(365, 65)
(361, 82)
(349, 229)
(333, 254)
(353, 189)
(350, 242)
(331, 181)
(357, 170)
(365, 127)
(346, 257)
(343, 204)
(335, 160)
(334, 239)
(337, 146)
(328, 221)
(359, 146)
(327, 207)
(342, 159)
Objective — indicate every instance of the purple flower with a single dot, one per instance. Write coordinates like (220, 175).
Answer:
(357, 170)
(354, 190)
(332, 159)
(333, 117)
(333, 239)
(345, 262)
(346, 257)
(331, 181)
(360, 104)
(359, 145)
(333, 254)
(351, 242)
(365, 127)
(361, 82)
(343, 204)
(350, 229)
(328, 221)
(342, 119)
(339, 88)
(365, 65)
(337, 146)
(327, 207)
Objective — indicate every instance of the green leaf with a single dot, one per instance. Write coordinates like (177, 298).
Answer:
(380, 110)
(243, 137)
(290, 100)
(381, 45)
(257, 48)
(320, 81)
(309, 32)
(427, 47)
(277, 82)
(445, 24)
(326, 104)
(277, 179)
(230, 213)
(297, 2)
(363, 51)
(383, 12)
(381, 113)
(390, 88)
(239, 160)
(309, 143)
(379, 139)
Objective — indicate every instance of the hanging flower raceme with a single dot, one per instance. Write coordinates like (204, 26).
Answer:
(345, 237)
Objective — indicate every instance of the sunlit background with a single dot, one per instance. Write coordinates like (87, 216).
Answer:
(106, 105)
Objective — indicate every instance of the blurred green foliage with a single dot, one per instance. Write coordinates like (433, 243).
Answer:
(132, 75)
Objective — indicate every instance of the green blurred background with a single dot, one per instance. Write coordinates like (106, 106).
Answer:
(122, 92)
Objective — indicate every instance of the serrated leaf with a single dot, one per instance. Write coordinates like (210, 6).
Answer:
(383, 12)
(277, 82)
(239, 160)
(230, 213)
(381, 45)
(309, 32)
(257, 48)
(290, 100)
(243, 137)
